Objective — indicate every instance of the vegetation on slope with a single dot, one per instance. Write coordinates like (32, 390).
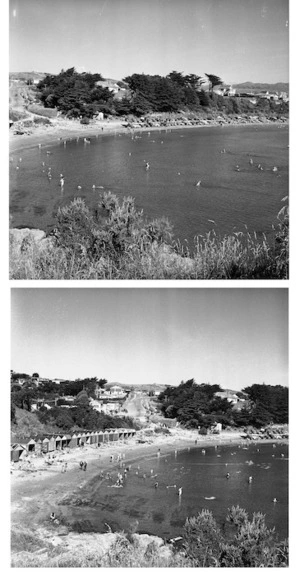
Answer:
(75, 416)
(117, 242)
(76, 95)
(240, 542)
(198, 405)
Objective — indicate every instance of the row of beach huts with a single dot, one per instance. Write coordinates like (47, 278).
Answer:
(48, 443)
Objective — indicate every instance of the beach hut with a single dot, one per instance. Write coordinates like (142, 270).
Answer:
(115, 435)
(88, 437)
(121, 433)
(38, 445)
(106, 436)
(65, 441)
(94, 437)
(16, 451)
(58, 442)
(30, 446)
(110, 435)
(100, 437)
(45, 445)
(52, 443)
(74, 441)
(82, 439)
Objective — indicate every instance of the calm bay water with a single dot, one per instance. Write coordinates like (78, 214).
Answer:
(178, 160)
(161, 512)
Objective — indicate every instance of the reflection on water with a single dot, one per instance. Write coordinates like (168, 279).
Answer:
(230, 197)
(215, 480)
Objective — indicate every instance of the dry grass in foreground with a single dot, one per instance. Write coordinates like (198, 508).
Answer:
(121, 244)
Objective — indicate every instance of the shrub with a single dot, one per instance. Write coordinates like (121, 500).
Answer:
(84, 121)
(243, 542)
(116, 242)
(39, 120)
(41, 111)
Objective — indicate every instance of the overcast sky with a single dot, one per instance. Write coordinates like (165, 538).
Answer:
(231, 337)
(238, 40)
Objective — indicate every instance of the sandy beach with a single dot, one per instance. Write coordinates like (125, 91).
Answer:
(39, 489)
(61, 129)
(37, 486)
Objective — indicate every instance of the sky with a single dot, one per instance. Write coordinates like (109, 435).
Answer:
(226, 336)
(237, 40)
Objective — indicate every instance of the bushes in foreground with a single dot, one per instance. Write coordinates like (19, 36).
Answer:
(240, 543)
(116, 242)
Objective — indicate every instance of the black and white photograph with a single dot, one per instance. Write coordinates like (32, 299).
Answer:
(148, 139)
(149, 304)
(149, 427)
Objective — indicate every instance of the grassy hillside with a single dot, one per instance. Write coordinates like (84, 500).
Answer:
(27, 424)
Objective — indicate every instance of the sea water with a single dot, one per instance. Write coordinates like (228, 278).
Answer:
(205, 485)
(233, 191)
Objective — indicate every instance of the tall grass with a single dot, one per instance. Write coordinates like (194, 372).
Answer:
(120, 244)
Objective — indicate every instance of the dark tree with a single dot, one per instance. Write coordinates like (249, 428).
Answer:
(213, 81)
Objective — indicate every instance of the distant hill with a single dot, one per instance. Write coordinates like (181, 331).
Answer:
(257, 87)
(138, 387)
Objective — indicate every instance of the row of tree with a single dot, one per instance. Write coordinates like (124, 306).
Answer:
(82, 95)
(76, 94)
(198, 405)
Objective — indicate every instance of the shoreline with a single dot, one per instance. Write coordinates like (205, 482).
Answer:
(37, 541)
(34, 478)
(67, 130)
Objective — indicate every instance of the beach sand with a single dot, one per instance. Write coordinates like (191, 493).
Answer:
(37, 488)
(62, 129)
